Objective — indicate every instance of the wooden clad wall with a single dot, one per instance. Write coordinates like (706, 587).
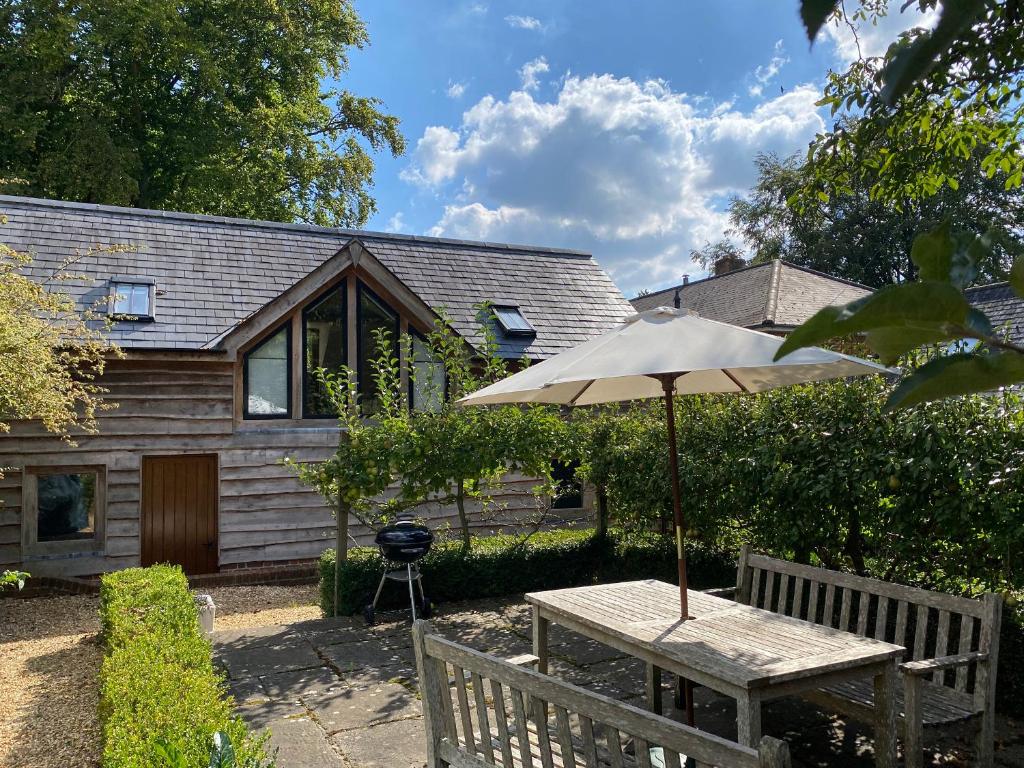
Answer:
(174, 406)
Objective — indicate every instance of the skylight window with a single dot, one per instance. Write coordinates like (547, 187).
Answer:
(131, 299)
(512, 321)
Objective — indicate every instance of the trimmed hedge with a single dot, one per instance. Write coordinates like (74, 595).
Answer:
(508, 565)
(158, 686)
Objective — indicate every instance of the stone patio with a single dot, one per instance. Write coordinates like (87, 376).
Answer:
(336, 693)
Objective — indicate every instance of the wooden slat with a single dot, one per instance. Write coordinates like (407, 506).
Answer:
(755, 587)
(614, 745)
(522, 733)
(769, 592)
(589, 744)
(540, 719)
(920, 632)
(798, 597)
(672, 759)
(964, 646)
(941, 644)
(830, 595)
(784, 594)
(882, 618)
(501, 720)
(486, 745)
(564, 731)
(464, 713)
(902, 608)
(812, 606)
(642, 752)
(844, 612)
(863, 609)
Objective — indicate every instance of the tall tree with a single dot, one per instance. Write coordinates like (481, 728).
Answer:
(209, 107)
(863, 238)
(927, 106)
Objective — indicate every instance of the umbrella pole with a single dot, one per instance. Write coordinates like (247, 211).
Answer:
(668, 383)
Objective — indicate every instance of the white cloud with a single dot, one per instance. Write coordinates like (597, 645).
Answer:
(524, 22)
(765, 73)
(872, 39)
(632, 171)
(455, 89)
(396, 223)
(529, 72)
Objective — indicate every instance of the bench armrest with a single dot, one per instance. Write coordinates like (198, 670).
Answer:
(927, 666)
(721, 592)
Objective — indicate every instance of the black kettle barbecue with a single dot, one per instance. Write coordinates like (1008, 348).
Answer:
(402, 545)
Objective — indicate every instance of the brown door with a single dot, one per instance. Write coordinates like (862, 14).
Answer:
(179, 512)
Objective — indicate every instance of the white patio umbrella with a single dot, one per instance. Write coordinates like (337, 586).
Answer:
(660, 353)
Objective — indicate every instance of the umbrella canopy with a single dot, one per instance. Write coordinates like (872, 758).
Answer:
(702, 355)
(660, 353)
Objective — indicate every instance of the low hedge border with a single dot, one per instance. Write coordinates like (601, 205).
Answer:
(159, 691)
(508, 565)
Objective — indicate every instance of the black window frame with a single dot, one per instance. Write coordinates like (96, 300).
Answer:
(361, 369)
(528, 332)
(286, 326)
(341, 287)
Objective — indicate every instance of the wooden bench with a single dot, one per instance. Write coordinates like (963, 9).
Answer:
(949, 672)
(553, 724)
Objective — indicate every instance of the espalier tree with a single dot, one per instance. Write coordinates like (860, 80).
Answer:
(926, 109)
(398, 459)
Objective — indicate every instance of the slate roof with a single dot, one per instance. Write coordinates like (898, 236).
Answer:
(775, 294)
(213, 272)
(1004, 308)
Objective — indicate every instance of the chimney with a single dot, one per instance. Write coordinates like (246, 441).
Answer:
(686, 279)
(729, 263)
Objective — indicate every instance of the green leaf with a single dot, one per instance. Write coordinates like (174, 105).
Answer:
(932, 310)
(959, 374)
(915, 60)
(1017, 276)
(814, 14)
(932, 252)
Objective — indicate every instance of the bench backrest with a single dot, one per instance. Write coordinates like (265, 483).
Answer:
(598, 726)
(928, 624)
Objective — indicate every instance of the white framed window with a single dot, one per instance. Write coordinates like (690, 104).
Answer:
(131, 299)
(63, 509)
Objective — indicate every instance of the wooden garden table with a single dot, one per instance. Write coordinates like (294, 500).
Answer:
(748, 654)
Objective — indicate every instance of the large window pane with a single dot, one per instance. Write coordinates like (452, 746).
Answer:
(427, 386)
(323, 347)
(66, 506)
(266, 377)
(374, 315)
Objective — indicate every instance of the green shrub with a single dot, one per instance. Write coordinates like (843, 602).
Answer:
(510, 565)
(158, 686)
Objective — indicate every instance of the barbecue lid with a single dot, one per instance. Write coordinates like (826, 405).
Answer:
(404, 533)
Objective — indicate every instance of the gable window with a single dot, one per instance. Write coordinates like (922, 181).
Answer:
(512, 321)
(64, 508)
(323, 346)
(267, 377)
(373, 315)
(131, 300)
(427, 382)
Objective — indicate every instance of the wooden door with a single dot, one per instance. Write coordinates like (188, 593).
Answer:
(179, 512)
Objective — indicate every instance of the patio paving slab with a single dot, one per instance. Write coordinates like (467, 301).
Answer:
(304, 744)
(338, 694)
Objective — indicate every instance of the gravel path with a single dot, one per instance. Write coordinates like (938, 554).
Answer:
(50, 656)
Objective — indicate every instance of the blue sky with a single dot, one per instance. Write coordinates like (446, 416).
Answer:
(620, 128)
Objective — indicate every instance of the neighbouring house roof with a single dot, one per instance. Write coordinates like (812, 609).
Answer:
(1004, 308)
(212, 273)
(774, 295)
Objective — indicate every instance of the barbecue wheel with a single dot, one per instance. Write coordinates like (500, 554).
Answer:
(426, 609)
(368, 614)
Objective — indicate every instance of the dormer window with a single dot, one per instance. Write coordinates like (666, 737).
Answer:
(512, 322)
(131, 299)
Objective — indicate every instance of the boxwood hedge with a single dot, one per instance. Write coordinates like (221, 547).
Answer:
(158, 687)
(509, 565)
